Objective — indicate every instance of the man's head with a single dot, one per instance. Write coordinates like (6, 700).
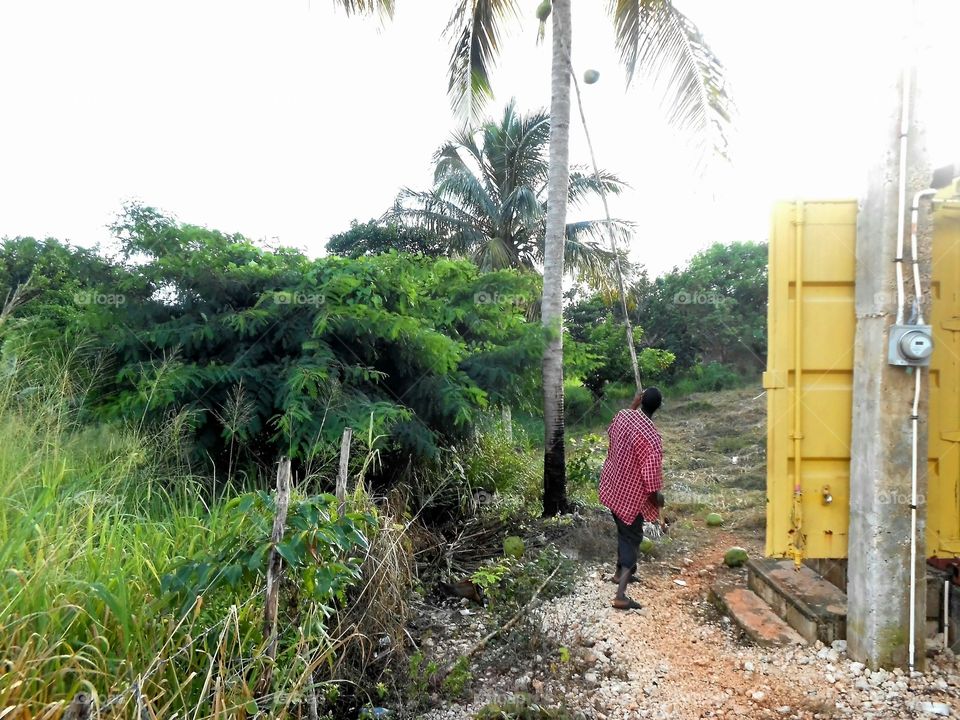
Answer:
(648, 401)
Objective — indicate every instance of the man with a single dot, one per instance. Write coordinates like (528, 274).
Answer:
(630, 484)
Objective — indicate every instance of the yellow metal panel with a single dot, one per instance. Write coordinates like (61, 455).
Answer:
(828, 234)
(827, 339)
(943, 482)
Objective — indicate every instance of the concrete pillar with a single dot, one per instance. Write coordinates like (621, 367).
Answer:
(879, 541)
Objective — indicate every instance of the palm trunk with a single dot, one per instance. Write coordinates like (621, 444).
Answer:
(558, 179)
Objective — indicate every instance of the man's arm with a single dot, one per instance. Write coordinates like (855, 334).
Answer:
(651, 477)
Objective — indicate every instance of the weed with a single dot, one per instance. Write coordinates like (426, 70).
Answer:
(523, 708)
(457, 680)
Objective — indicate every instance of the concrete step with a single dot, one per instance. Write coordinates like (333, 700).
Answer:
(815, 608)
(752, 615)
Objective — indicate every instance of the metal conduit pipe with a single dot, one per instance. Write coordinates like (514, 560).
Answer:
(914, 419)
(796, 542)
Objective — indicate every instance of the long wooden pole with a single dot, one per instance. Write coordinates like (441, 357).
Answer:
(274, 571)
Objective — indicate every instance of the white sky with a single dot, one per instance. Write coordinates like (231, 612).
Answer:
(286, 119)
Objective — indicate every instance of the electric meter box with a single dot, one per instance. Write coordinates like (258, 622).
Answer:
(910, 345)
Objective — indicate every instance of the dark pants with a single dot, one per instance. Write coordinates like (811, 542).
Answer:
(629, 538)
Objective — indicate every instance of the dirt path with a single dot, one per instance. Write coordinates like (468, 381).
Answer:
(678, 658)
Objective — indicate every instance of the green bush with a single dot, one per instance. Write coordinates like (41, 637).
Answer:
(494, 461)
(711, 377)
(579, 403)
(510, 582)
(585, 458)
(522, 708)
(269, 353)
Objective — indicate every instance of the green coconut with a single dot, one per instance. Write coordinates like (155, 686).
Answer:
(513, 546)
(735, 557)
(543, 10)
(646, 546)
(591, 76)
(714, 520)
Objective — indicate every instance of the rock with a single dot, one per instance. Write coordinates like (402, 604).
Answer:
(784, 709)
(590, 678)
(856, 668)
(934, 708)
(757, 695)
(522, 683)
(748, 666)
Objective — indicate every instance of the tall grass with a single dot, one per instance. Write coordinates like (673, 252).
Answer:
(91, 520)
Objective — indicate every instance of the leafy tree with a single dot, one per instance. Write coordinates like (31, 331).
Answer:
(597, 330)
(375, 238)
(57, 286)
(713, 310)
(489, 198)
(654, 38)
(265, 353)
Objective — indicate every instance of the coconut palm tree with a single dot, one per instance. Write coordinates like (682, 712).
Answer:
(489, 199)
(654, 38)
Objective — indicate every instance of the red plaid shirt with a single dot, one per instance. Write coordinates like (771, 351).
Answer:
(633, 468)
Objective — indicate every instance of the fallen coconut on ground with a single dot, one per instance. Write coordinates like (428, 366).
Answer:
(513, 546)
(714, 520)
(735, 557)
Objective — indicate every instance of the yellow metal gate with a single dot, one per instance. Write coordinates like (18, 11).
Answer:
(812, 329)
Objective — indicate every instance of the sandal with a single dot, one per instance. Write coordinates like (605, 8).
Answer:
(626, 604)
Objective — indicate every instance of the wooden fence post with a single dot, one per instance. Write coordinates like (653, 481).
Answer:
(79, 708)
(274, 570)
(344, 463)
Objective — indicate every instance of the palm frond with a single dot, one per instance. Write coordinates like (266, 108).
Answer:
(528, 157)
(430, 211)
(583, 183)
(475, 33)
(467, 192)
(660, 42)
(367, 7)
(595, 233)
(522, 207)
(496, 253)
